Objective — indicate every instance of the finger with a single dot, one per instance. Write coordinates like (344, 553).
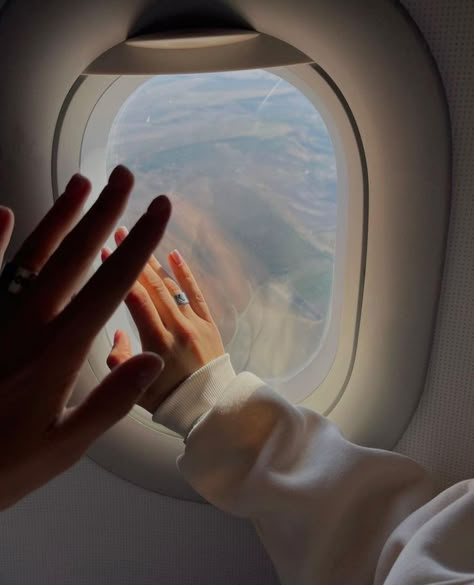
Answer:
(7, 221)
(107, 404)
(151, 328)
(120, 236)
(45, 239)
(188, 283)
(144, 314)
(57, 281)
(121, 350)
(160, 286)
(169, 311)
(90, 309)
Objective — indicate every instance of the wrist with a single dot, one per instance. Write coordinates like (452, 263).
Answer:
(195, 396)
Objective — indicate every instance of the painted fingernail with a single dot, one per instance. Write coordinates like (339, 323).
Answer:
(121, 178)
(106, 252)
(177, 258)
(121, 234)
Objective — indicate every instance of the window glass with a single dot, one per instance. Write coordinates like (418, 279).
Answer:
(251, 172)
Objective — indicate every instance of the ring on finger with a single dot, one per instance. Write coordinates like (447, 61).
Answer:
(181, 298)
(14, 278)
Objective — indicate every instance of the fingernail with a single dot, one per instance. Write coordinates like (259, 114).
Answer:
(177, 258)
(121, 178)
(160, 206)
(106, 252)
(121, 234)
(150, 369)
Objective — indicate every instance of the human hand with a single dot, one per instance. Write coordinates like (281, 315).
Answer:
(45, 336)
(185, 336)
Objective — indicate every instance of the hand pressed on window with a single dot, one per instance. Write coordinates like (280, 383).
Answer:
(45, 336)
(185, 336)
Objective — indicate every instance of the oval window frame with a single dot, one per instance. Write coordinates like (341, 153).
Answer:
(137, 449)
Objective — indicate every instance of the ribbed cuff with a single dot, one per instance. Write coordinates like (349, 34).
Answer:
(195, 396)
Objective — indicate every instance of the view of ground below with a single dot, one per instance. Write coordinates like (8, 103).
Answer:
(250, 169)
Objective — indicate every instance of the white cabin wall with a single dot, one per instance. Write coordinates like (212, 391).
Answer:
(441, 434)
(88, 527)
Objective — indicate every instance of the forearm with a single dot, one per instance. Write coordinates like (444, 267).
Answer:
(323, 507)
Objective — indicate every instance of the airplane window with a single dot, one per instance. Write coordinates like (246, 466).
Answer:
(251, 171)
(271, 173)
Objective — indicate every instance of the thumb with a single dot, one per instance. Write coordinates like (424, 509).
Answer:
(121, 350)
(107, 404)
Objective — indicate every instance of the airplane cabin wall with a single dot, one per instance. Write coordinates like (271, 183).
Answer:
(441, 434)
(88, 527)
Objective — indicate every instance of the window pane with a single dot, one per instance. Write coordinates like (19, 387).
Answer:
(251, 171)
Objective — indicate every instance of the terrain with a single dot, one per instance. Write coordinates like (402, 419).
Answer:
(250, 169)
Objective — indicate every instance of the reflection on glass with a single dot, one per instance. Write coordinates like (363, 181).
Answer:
(251, 172)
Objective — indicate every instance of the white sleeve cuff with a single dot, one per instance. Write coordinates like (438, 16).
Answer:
(195, 396)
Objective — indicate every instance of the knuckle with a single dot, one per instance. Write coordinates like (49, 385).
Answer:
(184, 333)
(172, 286)
(188, 278)
(153, 278)
(199, 297)
(158, 286)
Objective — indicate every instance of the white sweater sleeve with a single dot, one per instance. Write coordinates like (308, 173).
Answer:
(324, 508)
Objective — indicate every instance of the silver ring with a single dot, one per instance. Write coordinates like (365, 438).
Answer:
(181, 299)
(15, 278)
